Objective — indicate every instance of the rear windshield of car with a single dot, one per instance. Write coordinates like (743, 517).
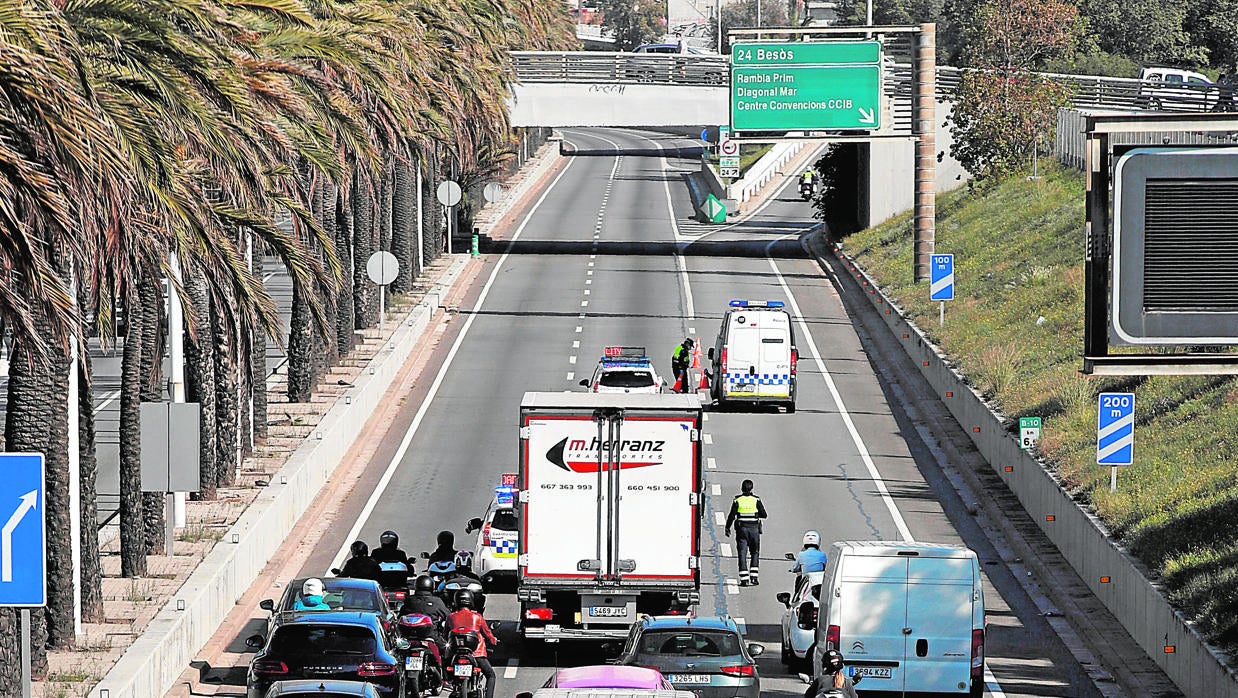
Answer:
(504, 520)
(694, 643)
(323, 639)
(627, 379)
(344, 598)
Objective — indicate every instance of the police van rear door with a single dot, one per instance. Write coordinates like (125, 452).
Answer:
(774, 367)
(743, 353)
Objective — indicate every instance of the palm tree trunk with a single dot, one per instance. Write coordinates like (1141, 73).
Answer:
(384, 204)
(152, 391)
(225, 394)
(132, 522)
(344, 311)
(363, 247)
(402, 226)
(258, 360)
(301, 363)
(200, 379)
(325, 215)
(431, 211)
(88, 471)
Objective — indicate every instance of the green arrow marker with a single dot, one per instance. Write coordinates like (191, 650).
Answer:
(712, 210)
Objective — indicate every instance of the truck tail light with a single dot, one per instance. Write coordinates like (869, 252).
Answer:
(738, 670)
(539, 614)
(795, 358)
(269, 667)
(485, 535)
(376, 669)
(832, 636)
(977, 654)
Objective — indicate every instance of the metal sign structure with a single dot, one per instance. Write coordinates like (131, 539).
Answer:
(1115, 429)
(786, 86)
(942, 279)
(1029, 432)
(23, 535)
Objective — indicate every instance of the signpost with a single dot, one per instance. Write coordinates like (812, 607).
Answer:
(941, 287)
(1029, 432)
(382, 267)
(449, 194)
(23, 544)
(832, 85)
(1115, 433)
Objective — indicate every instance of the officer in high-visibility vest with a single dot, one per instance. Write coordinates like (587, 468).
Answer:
(745, 517)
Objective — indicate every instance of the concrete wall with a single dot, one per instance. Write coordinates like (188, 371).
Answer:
(890, 170)
(172, 640)
(582, 104)
(1132, 598)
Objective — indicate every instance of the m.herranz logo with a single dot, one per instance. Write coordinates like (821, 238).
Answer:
(581, 456)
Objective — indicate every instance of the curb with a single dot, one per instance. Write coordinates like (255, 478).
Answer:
(1126, 592)
(156, 659)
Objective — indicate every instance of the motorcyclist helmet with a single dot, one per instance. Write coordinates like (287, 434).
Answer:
(312, 587)
(389, 539)
(812, 538)
(832, 662)
(464, 599)
(424, 584)
(446, 538)
(360, 549)
(464, 559)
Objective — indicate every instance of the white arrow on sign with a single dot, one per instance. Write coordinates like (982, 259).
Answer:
(867, 116)
(6, 534)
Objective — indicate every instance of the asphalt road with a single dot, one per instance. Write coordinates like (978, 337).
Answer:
(595, 264)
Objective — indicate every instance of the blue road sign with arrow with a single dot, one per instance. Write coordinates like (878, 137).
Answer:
(23, 530)
(942, 278)
(1115, 429)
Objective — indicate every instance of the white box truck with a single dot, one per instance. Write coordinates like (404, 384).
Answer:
(610, 511)
(908, 617)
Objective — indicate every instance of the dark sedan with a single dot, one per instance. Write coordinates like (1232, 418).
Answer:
(326, 645)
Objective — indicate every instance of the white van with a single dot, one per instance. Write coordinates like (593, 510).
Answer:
(906, 616)
(754, 357)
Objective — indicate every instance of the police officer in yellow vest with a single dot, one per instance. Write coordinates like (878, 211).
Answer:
(745, 517)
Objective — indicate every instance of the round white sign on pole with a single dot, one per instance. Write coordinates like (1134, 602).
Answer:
(382, 267)
(449, 193)
(728, 147)
(493, 192)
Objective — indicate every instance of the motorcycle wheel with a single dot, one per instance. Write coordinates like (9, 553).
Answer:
(435, 679)
(412, 685)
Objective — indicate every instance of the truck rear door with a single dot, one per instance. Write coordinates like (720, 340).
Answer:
(657, 485)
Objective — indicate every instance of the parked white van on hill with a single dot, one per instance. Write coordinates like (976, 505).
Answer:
(907, 616)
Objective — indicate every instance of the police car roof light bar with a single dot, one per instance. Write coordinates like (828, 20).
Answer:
(739, 303)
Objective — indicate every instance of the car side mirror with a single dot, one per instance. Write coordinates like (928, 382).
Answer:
(267, 605)
(784, 598)
(255, 642)
(584, 382)
(473, 525)
(789, 556)
(710, 353)
(335, 571)
(756, 650)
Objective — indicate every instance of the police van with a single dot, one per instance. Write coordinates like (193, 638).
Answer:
(754, 357)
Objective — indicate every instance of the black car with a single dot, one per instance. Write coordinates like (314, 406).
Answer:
(326, 645)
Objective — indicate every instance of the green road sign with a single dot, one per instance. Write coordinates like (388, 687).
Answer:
(806, 86)
(1029, 432)
(713, 210)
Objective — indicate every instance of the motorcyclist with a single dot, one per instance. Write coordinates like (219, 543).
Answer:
(360, 565)
(464, 578)
(440, 572)
(424, 601)
(389, 550)
(466, 619)
(310, 598)
(811, 558)
(446, 550)
(833, 681)
(809, 177)
(681, 359)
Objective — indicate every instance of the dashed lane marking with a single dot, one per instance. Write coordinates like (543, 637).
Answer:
(584, 304)
(513, 665)
(717, 490)
(571, 375)
(725, 550)
(711, 463)
(708, 439)
(576, 344)
(571, 359)
(720, 518)
(579, 329)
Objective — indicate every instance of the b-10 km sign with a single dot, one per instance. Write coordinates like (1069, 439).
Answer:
(806, 86)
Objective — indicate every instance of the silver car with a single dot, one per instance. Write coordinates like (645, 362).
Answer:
(799, 621)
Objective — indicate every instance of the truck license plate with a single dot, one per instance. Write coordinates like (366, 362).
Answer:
(688, 678)
(412, 663)
(876, 672)
(608, 611)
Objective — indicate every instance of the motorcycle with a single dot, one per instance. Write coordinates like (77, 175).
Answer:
(467, 680)
(423, 663)
(453, 584)
(393, 578)
(807, 189)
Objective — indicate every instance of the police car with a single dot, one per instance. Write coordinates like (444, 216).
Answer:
(754, 358)
(624, 370)
(495, 552)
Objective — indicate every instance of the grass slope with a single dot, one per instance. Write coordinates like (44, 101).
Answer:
(1015, 329)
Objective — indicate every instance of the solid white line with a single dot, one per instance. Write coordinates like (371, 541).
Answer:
(991, 686)
(709, 439)
(716, 490)
(838, 400)
(107, 400)
(407, 441)
(513, 665)
(680, 263)
(720, 518)
(711, 463)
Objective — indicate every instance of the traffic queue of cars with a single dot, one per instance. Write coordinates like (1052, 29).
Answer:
(910, 617)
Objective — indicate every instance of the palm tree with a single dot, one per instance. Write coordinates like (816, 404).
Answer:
(91, 570)
(200, 378)
(132, 522)
(152, 391)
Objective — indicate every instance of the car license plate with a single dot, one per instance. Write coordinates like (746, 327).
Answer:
(743, 388)
(463, 670)
(608, 611)
(875, 672)
(688, 678)
(412, 663)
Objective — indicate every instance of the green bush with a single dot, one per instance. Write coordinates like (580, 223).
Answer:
(1015, 329)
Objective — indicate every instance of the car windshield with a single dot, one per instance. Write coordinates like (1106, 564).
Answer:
(693, 643)
(504, 520)
(627, 379)
(323, 639)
